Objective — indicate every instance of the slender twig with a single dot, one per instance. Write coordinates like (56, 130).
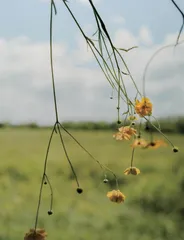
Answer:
(43, 177)
(149, 62)
(181, 28)
(51, 57)
(66, 154)
(132, 157)
(93, 47)
(52, 7)
(100, 164)
(51, 191)
(159, 131)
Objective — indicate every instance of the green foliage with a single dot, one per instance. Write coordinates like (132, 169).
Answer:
(167, 125)
(4, 124)
(154, 199)
(180, 125)
(90, 125)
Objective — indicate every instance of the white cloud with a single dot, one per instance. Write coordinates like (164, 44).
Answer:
(82, 91)
(118, 19)
(125, 39)
(25, 86)
(145, 36)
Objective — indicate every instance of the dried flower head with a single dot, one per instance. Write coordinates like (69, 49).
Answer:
(125, 133)
(116, 196)
(139, 142)
(156, 144)
(132, 170)
(38, 234)
(143, 107)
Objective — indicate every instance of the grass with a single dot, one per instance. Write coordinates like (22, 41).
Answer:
(153, 208)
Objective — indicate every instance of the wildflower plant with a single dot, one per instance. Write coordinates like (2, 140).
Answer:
(139, 109)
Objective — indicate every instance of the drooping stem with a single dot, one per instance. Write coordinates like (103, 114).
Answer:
(43, 177)
(66, 154)
(181, 28)
(98, 162)
(132, 158)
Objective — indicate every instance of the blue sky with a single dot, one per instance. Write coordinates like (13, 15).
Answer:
(30, 18)
(25, 77)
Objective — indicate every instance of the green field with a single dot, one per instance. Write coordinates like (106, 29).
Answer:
(154, 206)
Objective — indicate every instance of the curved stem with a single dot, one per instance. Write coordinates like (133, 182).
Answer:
(43, 177)
(100, 164)
(66, 154)
(150, 60)
(181, 28)
(159, 131)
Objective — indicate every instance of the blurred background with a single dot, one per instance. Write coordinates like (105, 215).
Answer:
(154, 206)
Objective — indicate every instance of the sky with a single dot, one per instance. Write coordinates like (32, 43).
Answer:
(83, 93)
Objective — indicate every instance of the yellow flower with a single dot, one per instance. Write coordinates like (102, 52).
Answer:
(132, 170)
(125, 133)
(139, 142)
(116, 196)
(39, 234)
(143, 107)
(156, 144)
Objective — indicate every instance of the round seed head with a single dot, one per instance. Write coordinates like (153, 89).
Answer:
(79, 190)
(50, 212)
(105, 180)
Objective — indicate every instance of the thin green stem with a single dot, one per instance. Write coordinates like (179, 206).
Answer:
(51, 191)
(75, 20)
(52, 5)
(100, 164)
(93, 46)
(43, 177)
(159, 131)
(128, 72)
(149, 62)
(104, 71)
(66, 154)
(182, 14)
(132, 157)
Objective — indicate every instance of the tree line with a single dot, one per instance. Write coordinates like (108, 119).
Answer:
(167, 125)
